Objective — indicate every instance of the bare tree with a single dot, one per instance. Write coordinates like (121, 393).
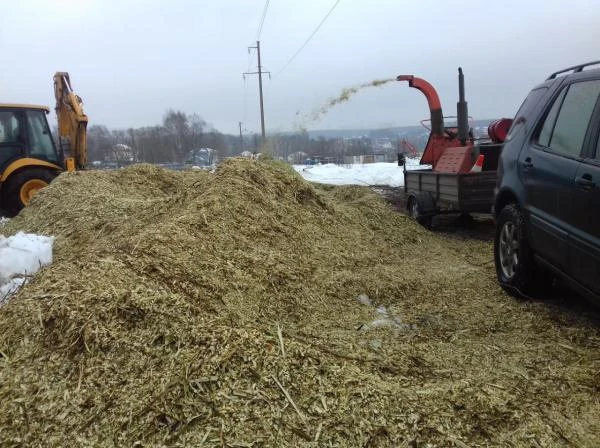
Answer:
(177, 129)
(100, 142)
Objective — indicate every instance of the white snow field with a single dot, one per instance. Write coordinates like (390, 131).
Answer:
(366, 174)
(21, 256)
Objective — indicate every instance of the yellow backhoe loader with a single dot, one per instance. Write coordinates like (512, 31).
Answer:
(29, 157)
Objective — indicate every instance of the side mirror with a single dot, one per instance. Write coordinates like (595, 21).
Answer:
(401, 159)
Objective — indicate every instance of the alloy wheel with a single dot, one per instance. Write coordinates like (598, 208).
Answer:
(509, 249)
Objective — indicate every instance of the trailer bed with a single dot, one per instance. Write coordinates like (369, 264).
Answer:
(454, 192)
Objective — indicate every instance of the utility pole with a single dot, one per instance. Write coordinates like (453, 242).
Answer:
(260, 90)
(262, 109)
(241, 138)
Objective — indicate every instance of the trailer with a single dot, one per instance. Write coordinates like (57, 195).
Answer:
(430, 193)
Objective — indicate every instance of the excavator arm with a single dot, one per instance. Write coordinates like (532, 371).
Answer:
(72, 123)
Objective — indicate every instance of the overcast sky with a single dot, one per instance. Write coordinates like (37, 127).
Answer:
(131, 60)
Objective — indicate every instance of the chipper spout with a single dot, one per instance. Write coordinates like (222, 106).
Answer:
(433, 100)
(449, 149)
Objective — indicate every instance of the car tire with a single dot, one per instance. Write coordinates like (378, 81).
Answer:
(414, 211)
(13, 191)
(516, 269)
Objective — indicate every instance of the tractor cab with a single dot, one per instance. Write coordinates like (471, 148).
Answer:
(29, 159)
(24, 132)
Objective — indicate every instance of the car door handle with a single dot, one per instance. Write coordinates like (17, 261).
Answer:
(527, 163)
(585, 181)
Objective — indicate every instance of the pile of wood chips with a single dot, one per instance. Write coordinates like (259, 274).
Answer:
(220, 309)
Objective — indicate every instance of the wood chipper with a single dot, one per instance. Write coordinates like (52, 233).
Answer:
(463, 169)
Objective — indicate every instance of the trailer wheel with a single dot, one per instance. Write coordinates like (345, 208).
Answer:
(516, 269)
(415, 212)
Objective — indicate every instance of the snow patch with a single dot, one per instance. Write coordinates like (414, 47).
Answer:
(21, 256)
(367, 174)
(385, 317)
(364, 299)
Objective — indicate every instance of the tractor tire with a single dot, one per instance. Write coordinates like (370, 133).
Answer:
(21, 186)
(414, 211)
(516, 269)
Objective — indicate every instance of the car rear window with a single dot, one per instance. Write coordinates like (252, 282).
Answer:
(526, 109)
(532, 99)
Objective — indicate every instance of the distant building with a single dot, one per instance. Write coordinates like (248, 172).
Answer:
(381, 145)
(120, 154)
(201, 157)
(297, 157)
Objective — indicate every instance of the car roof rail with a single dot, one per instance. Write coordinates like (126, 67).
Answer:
(574, 69)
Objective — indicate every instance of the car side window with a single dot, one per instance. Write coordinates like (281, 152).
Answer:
(550, 121)
(566, 124)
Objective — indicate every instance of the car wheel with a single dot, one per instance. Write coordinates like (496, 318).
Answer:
(516, 269)
(414, 211)
(23, 185)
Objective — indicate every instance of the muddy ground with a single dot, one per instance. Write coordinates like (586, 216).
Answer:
(475, 226)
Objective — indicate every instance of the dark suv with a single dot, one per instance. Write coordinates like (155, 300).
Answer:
(547, 204)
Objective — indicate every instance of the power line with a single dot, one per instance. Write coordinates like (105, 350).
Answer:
(262, 20)
(250, 51)
(245, 101)
(309, 38)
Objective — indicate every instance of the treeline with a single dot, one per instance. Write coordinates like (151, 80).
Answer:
(286, 145)
(169, 142)
(180, 134)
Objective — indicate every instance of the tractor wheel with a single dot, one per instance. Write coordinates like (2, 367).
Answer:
(20, 187)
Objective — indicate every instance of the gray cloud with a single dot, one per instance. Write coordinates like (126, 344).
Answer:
(131, 59)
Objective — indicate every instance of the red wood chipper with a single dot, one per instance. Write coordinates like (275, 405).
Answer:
(463, 168)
